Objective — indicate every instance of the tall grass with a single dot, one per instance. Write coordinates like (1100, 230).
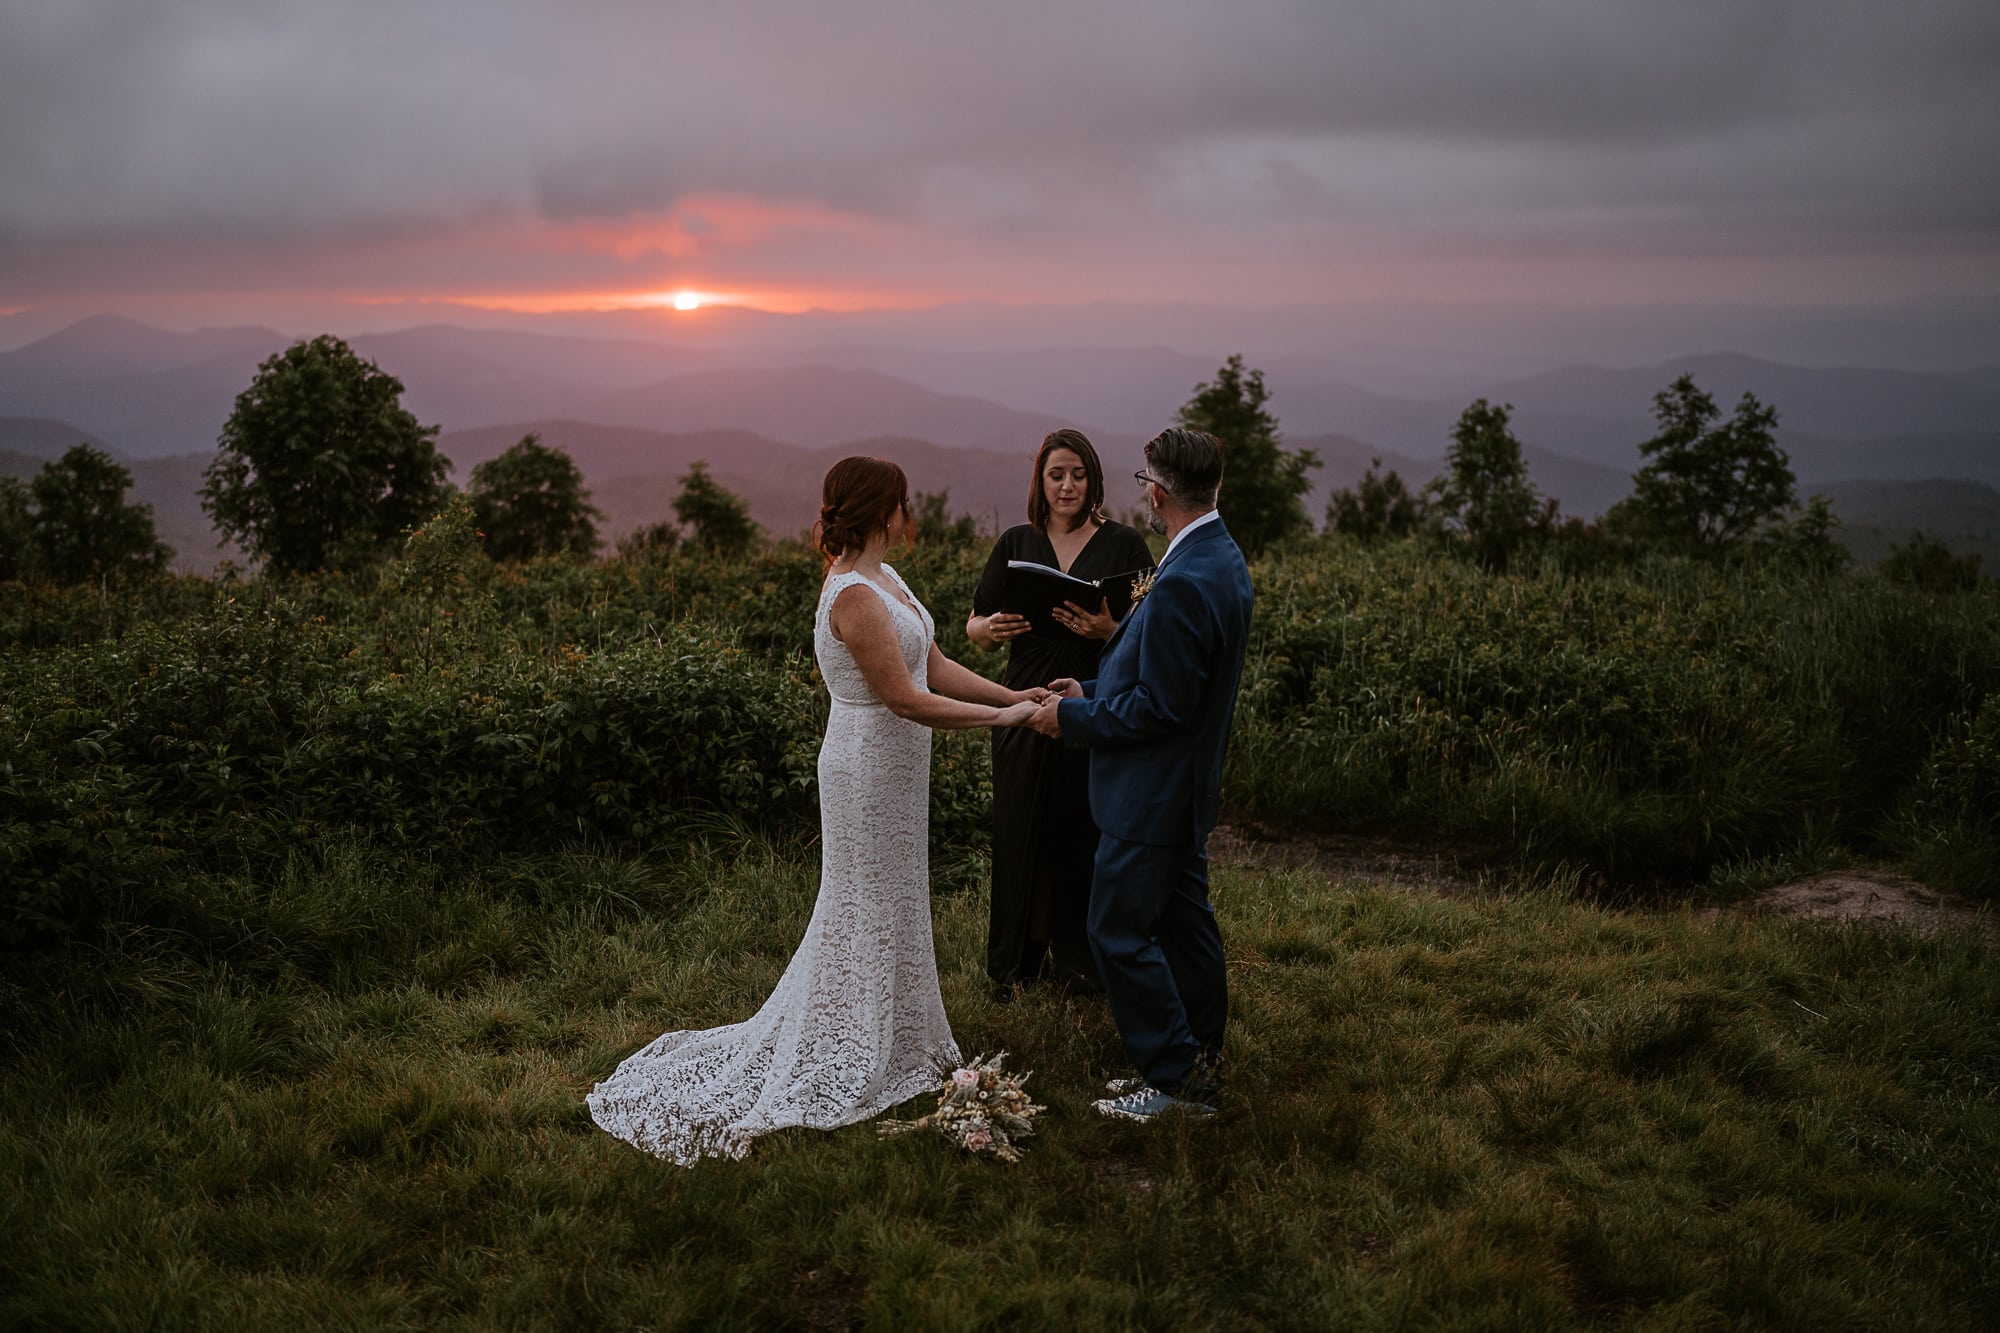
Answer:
(362, 1106)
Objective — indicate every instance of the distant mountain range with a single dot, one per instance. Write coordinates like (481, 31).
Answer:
(767, 415)
(152, 392)
(1878, 515)
(823, 405)
(634, 474)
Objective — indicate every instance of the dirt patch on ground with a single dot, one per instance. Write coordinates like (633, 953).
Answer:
(1876, 898)
(1447, 871)
(1872, 898)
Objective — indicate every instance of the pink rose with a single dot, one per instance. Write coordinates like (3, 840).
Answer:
(963, 1078)
(979, 1140)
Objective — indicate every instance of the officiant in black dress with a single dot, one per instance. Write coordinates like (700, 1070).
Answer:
(1044, 842)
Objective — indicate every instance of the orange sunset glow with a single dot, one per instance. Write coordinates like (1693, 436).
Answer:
(1303, 160)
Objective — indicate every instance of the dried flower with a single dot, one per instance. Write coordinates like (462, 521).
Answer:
(981, 1108)
(1141, 585)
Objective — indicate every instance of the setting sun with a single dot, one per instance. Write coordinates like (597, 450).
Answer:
(686, 301)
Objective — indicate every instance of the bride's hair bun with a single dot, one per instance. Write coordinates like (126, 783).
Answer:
(857, 501)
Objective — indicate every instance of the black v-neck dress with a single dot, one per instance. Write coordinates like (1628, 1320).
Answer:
(1043, 838)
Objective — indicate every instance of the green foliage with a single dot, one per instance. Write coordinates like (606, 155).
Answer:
(1650, 721)
(717, 520)
(1808, 539)
(38, 615)
(441, 702)
(320, 467)
(652, 542)
(80, 527)
(17, 532)
(530, 502)
(1707, 487)
(1484, 499)
(1928, 565)
(1380, 506)
(1950, 826)
(436, 585)
(228, 737)
(932, 512)
(1263, 483)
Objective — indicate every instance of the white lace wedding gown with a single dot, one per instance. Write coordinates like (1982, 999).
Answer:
(856, 1024)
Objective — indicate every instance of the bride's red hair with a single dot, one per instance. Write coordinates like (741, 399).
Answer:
(857, 500)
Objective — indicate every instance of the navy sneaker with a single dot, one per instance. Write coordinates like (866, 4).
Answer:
(1147, 1103)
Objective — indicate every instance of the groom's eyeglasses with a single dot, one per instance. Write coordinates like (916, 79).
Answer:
(1146, 478)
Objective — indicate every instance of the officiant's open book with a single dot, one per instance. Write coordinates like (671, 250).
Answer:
(1035, 591)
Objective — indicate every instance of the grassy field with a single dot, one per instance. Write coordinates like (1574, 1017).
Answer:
(359, 1105)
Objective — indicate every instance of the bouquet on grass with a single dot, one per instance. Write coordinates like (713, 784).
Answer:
(982, 1108)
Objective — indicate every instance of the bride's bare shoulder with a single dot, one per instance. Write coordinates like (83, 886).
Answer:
(857, 608)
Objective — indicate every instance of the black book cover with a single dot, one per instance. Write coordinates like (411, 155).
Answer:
(1035, 591)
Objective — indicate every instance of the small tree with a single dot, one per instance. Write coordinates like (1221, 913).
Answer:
(932, 512)
(1928, 565)
(441, 601)
(1707, 487)
(1380, 506)
(717, 519)
(320, 466)
(1484, 495)
(17, 532)
(83, 528)
(1806, 540)
(530, 502)
(1263, 483)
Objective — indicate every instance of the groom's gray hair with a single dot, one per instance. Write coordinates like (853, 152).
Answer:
(1187, 464)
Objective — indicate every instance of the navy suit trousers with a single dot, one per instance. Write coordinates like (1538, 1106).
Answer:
(1160, 952)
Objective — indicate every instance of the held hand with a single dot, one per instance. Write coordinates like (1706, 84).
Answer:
(1046, 719)
(1066, 687)
(1098, 624)
(1034, 694)
(1016, 715)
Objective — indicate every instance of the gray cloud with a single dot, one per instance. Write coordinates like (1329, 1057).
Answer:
(1558, 122)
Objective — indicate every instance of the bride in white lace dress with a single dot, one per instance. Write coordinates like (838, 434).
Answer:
(856, 1024)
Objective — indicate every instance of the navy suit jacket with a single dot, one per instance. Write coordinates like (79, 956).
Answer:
(1157, 717)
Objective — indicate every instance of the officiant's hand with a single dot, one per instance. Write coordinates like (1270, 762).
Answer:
(1046, 719)
(997, 630)
(1098, 624)
(1066, 687)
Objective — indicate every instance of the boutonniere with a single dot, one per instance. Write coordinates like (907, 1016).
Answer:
(1142, 585)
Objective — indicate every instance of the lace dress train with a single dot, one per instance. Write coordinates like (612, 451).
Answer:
(856, 1024)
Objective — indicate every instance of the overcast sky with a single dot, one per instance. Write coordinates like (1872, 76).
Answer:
(799, 151)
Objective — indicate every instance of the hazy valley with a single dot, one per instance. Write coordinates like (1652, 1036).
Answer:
(1895, 449)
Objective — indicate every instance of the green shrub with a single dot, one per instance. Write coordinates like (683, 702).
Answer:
(440, 704)
(1652, 721)
(1950, 826)
(234, 734)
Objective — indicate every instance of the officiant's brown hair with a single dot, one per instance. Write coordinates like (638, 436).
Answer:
(857, 500)
(1093, 471)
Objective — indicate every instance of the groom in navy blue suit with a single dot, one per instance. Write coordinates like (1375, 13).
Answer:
(1156, 720)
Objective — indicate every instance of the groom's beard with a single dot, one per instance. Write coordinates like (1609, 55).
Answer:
(1157, 523)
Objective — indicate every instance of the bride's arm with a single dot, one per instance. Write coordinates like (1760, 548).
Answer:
(949, 678)
(862, 623)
